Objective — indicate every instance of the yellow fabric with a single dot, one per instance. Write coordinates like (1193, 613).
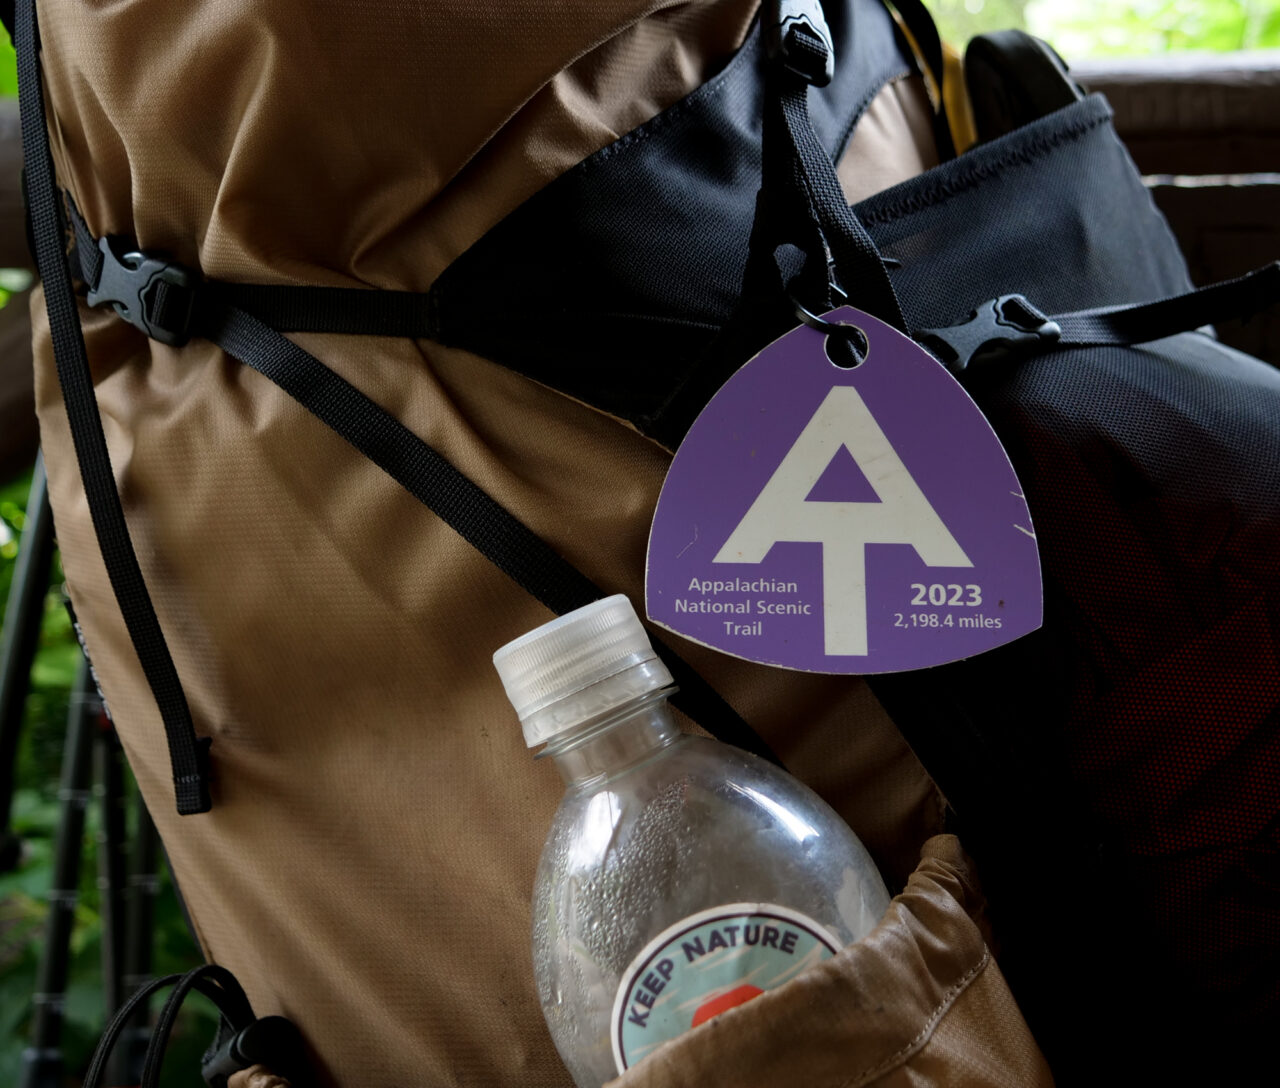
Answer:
(947, 89)
(955, 95)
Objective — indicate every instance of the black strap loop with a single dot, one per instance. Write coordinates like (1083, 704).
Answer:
(484, 523)
(187, 753)
(216, 983)
(1010, 327)
(783, 19)
(801, 201)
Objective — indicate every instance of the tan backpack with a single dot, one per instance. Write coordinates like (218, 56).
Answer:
(366, 863)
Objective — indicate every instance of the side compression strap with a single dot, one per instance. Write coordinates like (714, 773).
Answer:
(1010, 327)
(160, 291)
(187, 753)
(476, 517)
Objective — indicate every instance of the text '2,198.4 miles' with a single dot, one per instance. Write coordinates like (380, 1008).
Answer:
(948, 596)
(945, 620)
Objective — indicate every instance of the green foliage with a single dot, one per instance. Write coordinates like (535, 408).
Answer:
(23, 893)
(1091, 28)
(8, 68)
(23, 911)
(960, 20)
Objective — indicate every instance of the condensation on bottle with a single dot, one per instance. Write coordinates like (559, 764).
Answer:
(681, 876)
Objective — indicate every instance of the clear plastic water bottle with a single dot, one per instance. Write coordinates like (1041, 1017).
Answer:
(681, 876)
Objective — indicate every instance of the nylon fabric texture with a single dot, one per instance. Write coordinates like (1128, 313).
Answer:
(345, 136)
(367, 865)
(1186, 786)
(1144, 728)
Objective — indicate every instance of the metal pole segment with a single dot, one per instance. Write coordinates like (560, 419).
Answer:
(21, 633)
(144, 886)
(110, 790)
(42, 1062)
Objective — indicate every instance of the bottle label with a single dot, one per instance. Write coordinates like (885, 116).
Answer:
(843, 520)
(706, 964)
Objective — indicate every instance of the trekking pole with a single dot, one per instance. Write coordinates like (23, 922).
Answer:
(42, 1061)
(109, 788)
(144, 886)
(22, 616)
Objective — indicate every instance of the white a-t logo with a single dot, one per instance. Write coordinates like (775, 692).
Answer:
(844, 529)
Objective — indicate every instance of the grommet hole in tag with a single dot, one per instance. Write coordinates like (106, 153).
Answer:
(846, 345)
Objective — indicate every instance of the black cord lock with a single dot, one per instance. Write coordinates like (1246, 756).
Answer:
(152, 294)
(272, 1042)
(797, 37)
(999, 329)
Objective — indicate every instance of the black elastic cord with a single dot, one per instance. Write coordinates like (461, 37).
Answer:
(216, 983)
(111, 1036)
(188, 754)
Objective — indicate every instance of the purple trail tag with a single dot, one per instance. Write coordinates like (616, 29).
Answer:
(838, 520)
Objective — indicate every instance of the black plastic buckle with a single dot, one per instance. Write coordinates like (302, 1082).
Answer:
(785, 18)
(272, 1042)
(152, 294)
(999, 329)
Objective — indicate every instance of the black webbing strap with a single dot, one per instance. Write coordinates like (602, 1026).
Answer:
(187, 753)
(467, 509)
(342, 310)
(801, 201)
(171, 304)
(800, 204)
(162, 295)
(1010, 327)
(1241, 297)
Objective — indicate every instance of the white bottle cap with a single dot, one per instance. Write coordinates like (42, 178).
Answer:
(578, 667)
